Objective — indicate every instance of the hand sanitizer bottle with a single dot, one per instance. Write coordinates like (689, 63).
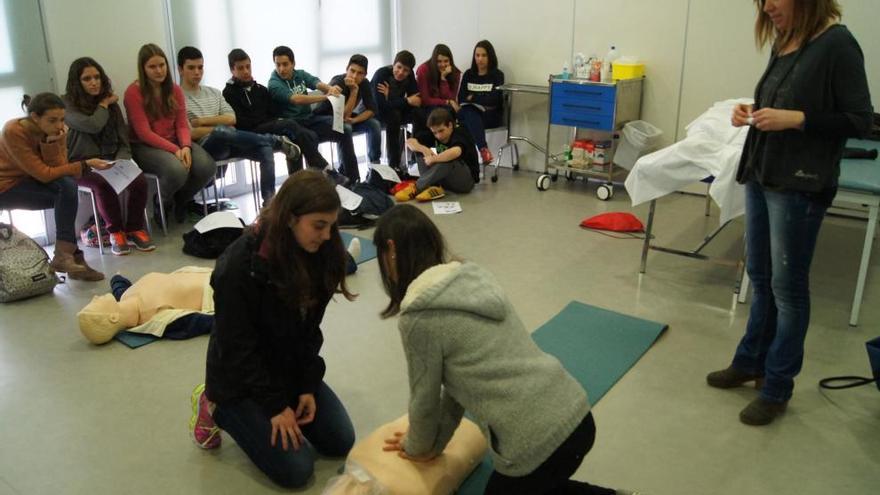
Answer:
(608, 67)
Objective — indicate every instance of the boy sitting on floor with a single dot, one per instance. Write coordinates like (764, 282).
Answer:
(454, 165)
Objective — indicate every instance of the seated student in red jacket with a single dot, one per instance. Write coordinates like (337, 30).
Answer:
(438, 79)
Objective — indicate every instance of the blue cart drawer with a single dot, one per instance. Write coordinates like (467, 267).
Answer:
(585, 120)
(583, 106)
(581, 92)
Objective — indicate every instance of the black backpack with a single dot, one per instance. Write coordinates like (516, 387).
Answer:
(212, 243)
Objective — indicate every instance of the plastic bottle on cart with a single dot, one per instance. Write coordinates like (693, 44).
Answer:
(565, 72)
(608, 65)
(580, 63)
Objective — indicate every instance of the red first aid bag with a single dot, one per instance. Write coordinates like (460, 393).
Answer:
(615, 222)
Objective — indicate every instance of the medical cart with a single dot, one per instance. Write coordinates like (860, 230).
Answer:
(589, 105)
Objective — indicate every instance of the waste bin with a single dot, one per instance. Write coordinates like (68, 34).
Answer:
(639, 138)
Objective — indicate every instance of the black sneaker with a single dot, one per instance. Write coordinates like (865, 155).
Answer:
(290, 149)
(336, 177)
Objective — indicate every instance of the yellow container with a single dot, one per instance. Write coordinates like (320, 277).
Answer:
(623, 70)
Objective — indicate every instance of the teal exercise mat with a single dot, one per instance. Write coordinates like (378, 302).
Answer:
(134, 340)
(368, 249)
(596, 346)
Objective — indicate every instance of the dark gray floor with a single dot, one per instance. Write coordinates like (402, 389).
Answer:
(76, 418)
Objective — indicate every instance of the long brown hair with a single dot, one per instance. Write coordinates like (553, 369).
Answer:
(166, 105)
(303, 278)
(810, 17)
(76, 95)
(418, 245)
(434, 72)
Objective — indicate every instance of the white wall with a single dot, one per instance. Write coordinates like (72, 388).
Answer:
(110, 31)
(698, 51)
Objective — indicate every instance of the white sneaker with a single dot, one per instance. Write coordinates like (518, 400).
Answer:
(354, 248)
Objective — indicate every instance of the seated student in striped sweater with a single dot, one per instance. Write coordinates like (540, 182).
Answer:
(213, 124)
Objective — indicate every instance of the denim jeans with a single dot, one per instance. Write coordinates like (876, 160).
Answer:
(393, 120)
(476, 122)
(330, 434)
(781, 232)
(306, 140)
(322, 125)
(226, 142)
(373, 128)
(60, 194)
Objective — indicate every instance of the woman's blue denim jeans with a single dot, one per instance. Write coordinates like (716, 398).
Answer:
(781, 232)
(330, 434)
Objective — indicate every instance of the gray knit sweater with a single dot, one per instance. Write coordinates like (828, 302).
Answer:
(467, 349)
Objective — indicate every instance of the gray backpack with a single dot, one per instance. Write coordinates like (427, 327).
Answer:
(24, 266)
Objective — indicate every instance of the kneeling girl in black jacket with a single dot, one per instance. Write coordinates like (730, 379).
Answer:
(264, 375)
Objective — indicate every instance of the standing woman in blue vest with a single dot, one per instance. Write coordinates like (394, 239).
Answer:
(812, 97)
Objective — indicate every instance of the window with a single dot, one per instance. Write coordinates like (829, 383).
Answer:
(322, 33)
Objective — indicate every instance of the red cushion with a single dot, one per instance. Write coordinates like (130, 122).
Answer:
(615, 222)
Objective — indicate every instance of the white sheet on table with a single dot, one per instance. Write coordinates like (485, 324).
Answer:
(712, 147)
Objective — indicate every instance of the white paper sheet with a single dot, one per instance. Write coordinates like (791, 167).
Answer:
(446, 207)
(338, 104)
(120, 175)
(218, 220)
(350, 200)
(386, 172)
(413, 170)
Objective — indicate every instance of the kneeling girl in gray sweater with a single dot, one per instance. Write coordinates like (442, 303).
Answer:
(466, 349)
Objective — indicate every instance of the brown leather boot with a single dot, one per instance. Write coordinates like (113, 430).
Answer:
(63, 260)
(89, 274)
(731, 377)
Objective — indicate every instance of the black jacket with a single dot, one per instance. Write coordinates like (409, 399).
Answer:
(260, 349)
(827, 83)
(250, 102)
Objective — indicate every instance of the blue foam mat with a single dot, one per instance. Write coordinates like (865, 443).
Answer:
(368, 249)
(135, 340)
(596, 346)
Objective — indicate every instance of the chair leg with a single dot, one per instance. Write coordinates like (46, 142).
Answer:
(91, 194)
(147, 222)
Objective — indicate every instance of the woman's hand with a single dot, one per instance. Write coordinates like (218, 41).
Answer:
(185, 156)
(445, 72)
(98, 164)
(396, 444)
(51, 138)
(284, 424)
(109, 100)
(774, 119)
(454, 104)
(741, 114)
(305, 410)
